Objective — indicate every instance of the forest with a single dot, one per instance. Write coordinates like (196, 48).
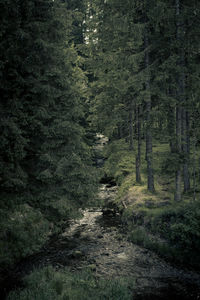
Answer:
(99, 124)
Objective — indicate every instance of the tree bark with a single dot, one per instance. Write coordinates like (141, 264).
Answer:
(178, 193)
(149, 153)
(138, 156)
(180, 99)
(171, 124)
(194, 170)
(188, 133)
(131, 146)
(119, 128)
(186, 177)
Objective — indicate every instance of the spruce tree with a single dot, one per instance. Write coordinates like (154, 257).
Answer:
(45, 158)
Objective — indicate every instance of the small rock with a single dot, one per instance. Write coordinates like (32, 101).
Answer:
(76, 254)
(92, 267)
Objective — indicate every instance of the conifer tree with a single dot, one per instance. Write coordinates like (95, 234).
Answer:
(45, 159)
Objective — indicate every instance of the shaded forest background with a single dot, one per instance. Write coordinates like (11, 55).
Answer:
(69, 69)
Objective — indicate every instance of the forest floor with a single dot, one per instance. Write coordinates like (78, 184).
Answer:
(105, 249)
(97, 242)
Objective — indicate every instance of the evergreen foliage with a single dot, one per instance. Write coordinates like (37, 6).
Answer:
(144, 61)
(45, 157)
(70, 69)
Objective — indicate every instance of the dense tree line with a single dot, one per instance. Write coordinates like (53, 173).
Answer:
(45, 158)
(145, 63)
(131, 68)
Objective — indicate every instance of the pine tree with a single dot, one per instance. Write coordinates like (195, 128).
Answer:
(45, 159)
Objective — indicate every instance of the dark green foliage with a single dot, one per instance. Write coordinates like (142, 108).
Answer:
(23, 231)
(144, 53)
(45, 157)
(177, 229)
(121, 74)
(119, 162)
(181, 226)
(69, 69)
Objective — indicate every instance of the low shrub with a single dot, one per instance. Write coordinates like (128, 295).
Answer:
(22, 232)
(178, 225)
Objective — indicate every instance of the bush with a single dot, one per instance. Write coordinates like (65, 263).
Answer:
(22, 232)
(120, 162)
(178, 225)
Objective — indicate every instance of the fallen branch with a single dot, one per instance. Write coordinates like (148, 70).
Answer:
(124, 204)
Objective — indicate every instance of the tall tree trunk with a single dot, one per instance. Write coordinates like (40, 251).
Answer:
(194, 169)
(135, 119)
(180, 99)
(149, 153)
(131, 147)
(198, 170)
(119, 129)
(188, 133)
(177, 196)
(186, 177)
(171, 124)
(138, 156)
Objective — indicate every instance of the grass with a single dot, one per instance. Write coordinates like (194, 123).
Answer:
(49, 284)
(174, 225)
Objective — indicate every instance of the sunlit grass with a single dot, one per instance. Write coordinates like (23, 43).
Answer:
(157, 213)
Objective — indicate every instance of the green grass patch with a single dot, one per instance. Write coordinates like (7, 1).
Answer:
(177, 226)
(49, 284)
(177, 223)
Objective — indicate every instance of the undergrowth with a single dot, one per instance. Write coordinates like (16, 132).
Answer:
(49, 284)
(24, 229)
(154, 220)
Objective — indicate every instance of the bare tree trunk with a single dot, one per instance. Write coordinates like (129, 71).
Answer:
(180, 99)
(171, 119)
(198, 178)
(171, 129)
(186, 177)
(135, 119)
(188, 133)
(149, 153)
(138, 156)
(131, 127)
(194, 170)
(119, 131)
(177, 196)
